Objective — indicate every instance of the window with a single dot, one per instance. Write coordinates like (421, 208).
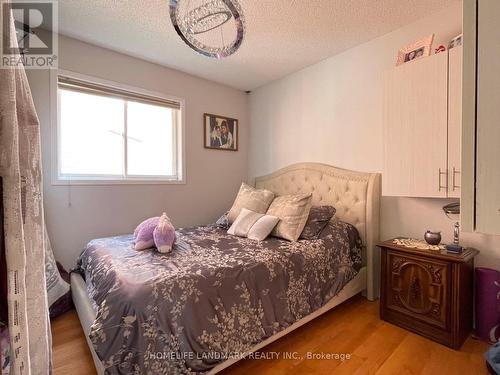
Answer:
(110, 134)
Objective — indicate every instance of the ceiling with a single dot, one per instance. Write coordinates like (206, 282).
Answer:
(282, 36)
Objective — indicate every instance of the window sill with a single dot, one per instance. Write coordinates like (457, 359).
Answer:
(72, 182)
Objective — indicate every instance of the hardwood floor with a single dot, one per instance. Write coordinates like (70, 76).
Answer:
(374, 346)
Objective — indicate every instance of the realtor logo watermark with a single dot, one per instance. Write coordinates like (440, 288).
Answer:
(35, 24)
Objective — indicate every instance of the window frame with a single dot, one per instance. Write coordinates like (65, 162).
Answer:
(84, 179)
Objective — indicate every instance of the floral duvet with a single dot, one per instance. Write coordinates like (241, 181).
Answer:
(212, 298)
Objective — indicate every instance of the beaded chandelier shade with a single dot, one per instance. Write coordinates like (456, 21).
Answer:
(213, 28)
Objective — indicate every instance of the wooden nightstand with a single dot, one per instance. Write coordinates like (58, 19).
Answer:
(428, 292)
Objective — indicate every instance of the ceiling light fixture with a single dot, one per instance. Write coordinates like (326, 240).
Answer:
(214, 28)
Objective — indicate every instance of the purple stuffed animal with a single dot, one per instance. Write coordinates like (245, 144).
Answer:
(164, 235)
(143, 234)
(155, 231)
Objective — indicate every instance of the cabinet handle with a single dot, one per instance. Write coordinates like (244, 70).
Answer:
(453, 179)
(439, 182)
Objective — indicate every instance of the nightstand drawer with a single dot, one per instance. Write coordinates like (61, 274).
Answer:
(418, 288)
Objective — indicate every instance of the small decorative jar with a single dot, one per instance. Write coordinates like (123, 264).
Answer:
(432, 238)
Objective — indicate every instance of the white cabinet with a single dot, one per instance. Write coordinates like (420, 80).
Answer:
(481, 118)
(419, 140)
(454, 120)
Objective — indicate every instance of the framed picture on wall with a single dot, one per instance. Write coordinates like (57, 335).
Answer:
(220, 132)
(415, 51)
(455, 42)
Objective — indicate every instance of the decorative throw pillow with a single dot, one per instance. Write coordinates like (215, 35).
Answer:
(143, 234)
(253, 225)
(164, 234)
(256, 200)
(318, 219)
(223, 221)
(293, 211)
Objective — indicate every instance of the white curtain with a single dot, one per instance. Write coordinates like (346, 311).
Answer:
(20, 168)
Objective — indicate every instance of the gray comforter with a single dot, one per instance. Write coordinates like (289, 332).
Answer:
(214, 297)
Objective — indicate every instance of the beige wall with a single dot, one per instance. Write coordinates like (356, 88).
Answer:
(331, 112)
(77, 214)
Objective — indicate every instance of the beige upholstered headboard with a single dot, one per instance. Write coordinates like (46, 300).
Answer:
(355, 195)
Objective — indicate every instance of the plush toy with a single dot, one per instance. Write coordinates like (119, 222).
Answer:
(143, 234)
(164, 234)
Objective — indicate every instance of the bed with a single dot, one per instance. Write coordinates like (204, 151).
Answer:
(213, 295)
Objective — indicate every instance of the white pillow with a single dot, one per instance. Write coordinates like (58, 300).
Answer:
(253, 225)
(257, 200)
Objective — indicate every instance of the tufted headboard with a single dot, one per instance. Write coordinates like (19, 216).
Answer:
(355, 195)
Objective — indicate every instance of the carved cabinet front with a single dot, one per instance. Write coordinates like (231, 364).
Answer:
(418, 288)
(428, 292)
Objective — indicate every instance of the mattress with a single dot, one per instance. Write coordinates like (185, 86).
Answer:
(213, 298)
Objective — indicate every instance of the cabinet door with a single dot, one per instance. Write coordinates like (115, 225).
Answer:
(415, 128)
(418, 288)
(454, 120)
(488, 119)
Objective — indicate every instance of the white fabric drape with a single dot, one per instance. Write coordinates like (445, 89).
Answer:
(20, 168)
